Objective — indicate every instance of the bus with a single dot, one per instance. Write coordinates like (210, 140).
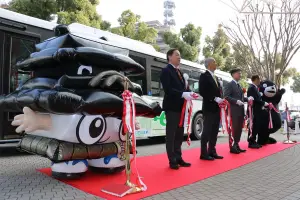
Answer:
(19, 33)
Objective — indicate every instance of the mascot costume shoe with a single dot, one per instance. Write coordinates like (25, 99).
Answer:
(269, 118)
(72, 106)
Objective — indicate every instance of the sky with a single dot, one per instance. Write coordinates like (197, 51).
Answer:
(205, 13)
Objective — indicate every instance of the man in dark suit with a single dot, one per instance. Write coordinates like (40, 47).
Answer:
(233, 93)
(175, 92)
(211, 91)
(258, 104)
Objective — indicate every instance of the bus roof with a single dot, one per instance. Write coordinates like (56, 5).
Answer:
(24, 19)
(86, 31)
(132, 45)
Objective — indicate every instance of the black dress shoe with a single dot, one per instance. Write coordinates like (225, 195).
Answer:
(216, 156)
(174, 166)
(234, 150)
(241, 150)
(254, 146)
(207, 158)
(182, 163)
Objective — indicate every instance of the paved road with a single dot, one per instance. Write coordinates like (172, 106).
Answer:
(274, 177)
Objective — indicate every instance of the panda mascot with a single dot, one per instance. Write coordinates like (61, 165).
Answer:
(270, 94)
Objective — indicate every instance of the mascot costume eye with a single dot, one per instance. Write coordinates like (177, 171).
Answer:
(270, 94)
(72, 106)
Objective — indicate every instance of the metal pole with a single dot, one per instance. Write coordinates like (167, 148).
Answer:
(288, 141)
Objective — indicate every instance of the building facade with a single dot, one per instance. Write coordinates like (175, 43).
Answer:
(161, 29)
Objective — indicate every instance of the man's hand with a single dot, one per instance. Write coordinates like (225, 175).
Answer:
(266, 104)
(189, 96)
(240, 103)
(219, 100)
(250, 98)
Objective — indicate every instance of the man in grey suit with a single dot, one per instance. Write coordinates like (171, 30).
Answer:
(233, 93)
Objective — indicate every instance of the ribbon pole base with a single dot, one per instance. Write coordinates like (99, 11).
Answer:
(134, 188)
(120, 190)
(289, 142)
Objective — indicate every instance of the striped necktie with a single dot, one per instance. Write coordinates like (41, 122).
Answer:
(215, 78)
(179, 74)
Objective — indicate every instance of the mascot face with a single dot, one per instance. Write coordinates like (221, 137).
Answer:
(267, 88)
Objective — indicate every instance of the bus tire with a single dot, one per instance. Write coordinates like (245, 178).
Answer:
(197, 127)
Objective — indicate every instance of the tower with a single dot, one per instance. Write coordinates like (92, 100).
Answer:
(169, 7)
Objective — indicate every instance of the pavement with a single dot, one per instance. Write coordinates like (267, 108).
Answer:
(271, 178)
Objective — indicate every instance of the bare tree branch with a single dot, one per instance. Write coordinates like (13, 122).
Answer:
(266, 43)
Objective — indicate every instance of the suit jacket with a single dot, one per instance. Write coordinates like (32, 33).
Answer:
(257, 103)
(209, 90)
(173, 87)
(232, 94)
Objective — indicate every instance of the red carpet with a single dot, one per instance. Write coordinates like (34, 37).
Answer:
(159, 178)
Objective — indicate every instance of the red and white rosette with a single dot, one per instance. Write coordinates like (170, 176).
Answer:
(185, 118)
(226, 119)
(271, 107)
(129, 127)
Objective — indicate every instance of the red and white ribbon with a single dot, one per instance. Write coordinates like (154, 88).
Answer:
(271, 107)
(129, 127)
(250, 116)
(288, 116)
(185, 118)
(226, 120)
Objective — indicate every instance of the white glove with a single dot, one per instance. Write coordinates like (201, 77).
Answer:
(240, 103)
(31, 121)
(219, 100)
(187, 96)
(250, 98)
(266, 104)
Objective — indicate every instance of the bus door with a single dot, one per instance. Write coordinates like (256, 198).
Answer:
(14, 48)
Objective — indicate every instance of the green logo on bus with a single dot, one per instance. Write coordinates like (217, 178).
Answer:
(161, 119)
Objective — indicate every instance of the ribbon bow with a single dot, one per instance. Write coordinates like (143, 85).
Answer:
(185, 118)
(226, 119)
(250, 116)
(129, 128)
(271, 107)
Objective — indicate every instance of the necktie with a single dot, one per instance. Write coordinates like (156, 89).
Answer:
(241, 91)
(215, 78)
(178, 72)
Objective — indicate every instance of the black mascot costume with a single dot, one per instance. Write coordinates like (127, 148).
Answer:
(71, 109)
(272, 95)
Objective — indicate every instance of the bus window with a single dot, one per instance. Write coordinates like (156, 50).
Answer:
(194, 85)
(20, 50)
(141, 79)
(225, 83)
(156, 86)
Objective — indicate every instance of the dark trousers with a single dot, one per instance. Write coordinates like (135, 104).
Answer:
(174, 136)
(252, 136)
(237, 128)
(210, 133)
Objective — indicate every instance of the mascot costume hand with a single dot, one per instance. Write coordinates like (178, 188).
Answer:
(269, 118)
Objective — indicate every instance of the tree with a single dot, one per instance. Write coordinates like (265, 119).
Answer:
(68, 11)
(242, 54)
(218, 48)
(260, 37)
(42, 9)
(296, 85)
(187, 41)
(132, 27)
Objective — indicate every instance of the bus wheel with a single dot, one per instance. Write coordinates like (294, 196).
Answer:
(197, 127)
